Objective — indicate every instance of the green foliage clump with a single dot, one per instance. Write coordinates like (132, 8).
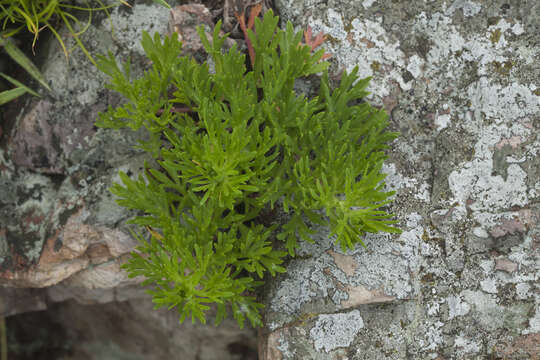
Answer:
(229, 146)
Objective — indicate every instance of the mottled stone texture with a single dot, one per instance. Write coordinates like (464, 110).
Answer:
(129, 330)
(460, 82)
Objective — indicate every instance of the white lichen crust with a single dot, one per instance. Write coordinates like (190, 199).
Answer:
(459, 79)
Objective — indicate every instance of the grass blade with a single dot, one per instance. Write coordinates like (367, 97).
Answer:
(163, 2)
(76, 38)
(21, 59)
(8, 95)
(55, 33)
(19, 84)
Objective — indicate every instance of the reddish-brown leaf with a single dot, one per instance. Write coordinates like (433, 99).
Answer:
(255, 11)
(314, 43)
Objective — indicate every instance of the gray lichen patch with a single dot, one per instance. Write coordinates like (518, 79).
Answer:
(149, 18)
(380, 275)
(25, 216)
(459, 80)
(492, 316)
(332, 331)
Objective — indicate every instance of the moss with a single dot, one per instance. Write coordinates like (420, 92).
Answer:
(332, 40)
(403, 324)
(503, 68)
(495, 36)
(428, 279)
(375, 66)
(304, 318)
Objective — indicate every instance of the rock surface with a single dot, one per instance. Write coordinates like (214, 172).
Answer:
(123, 330)
(460, 81)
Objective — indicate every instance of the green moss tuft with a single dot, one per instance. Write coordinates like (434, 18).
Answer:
(495, 36)
(503, 68)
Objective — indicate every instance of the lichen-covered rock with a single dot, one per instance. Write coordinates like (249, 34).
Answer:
(459, 80)
(57, 218)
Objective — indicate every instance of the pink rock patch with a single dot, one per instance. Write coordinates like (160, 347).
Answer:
(33, 141)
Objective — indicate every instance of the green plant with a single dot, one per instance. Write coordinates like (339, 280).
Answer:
(22, 60)
(229, 147)
(36, 15)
